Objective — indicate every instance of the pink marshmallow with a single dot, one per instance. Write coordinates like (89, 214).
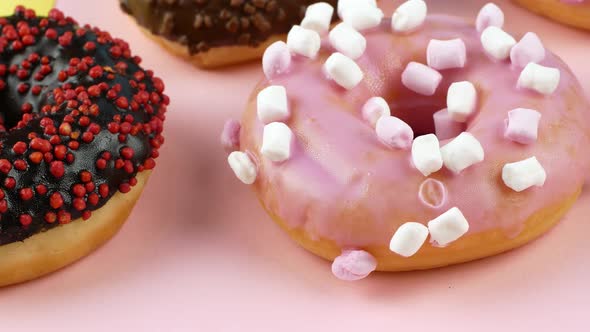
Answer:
(573, 1)
(230, 136)
(489, 15)
(375, 108)
(445, 127)
(421, 78)
(353, 265)
(394, 132)
(528, 49)
(522, 125)
(276, 59)
(446, 54)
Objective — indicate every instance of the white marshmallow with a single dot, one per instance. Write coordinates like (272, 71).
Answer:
(409, 16)
(462, 152)
(243, 167)
(318, 17)
(426, 154)
(343, 70)
(276, 142)
(542, 79)
(303, 41)
(408, 239)
(461, 100)
(497, 43)
(347, 41)
(352, 4)
(375, 108)
(524, 174)
(362, 17)
(448, 227)
(421, 78)
(272, 104)
(489, 15)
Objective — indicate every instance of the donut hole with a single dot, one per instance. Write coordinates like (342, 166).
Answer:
(417, 113)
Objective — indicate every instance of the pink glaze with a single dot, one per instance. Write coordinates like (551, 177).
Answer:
(522, 125)
(230, 136)
(353, 265)
(528, 49)
(342, 184)
(432, 193)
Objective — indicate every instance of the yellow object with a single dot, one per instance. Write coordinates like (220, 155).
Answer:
(41, 7)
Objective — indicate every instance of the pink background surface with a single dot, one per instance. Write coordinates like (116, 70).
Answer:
(198, 254)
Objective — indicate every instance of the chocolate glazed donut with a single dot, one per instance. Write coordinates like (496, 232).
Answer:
(80, 122)
(213, 33)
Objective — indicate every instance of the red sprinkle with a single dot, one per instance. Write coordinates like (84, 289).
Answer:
(25, 219)
(56, 200)
(56, 168)
(26, 194)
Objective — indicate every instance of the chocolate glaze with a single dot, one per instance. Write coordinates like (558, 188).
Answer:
(203, 24)
(67, 102)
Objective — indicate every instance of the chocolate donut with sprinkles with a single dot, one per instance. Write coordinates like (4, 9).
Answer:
(81, 124)
(414, 141)
(215, 33)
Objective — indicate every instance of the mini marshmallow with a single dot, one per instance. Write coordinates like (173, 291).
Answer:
(276, 142)
(421, 78)
(394, 132)
(497, 43)
(243, 167)
(408, 239)
(426, 154)
(445, 127)
(303, 41)
(343, 70)
(489, 15)
(524, 174)
(375, 108)
(446, 54)
(462, 152)
(448, 227)
(352, 4)
(529, 49)
(272, 104)
(409, 16)
(461, 100)
(544, 80)
(276, 59)
(230, 135)
(522, 125)
(318, 17)
(347, 41)
(353, 265)
(362, 17)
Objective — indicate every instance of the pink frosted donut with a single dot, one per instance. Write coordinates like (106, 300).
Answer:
(451, 145)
